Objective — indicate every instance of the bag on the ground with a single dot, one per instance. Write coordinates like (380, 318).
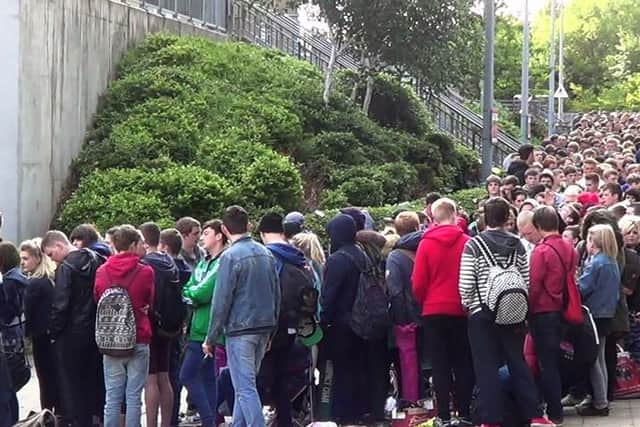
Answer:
(370, 317)
(507, 296)
(115, 319)
(42, 419)
(627, 376)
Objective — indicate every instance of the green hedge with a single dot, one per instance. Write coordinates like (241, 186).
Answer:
(252, 124)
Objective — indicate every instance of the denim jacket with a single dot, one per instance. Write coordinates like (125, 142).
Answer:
(246, 299)
(600, 286)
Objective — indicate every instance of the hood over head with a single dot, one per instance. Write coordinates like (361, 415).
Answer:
(501, 242)
(287, 253)
(119, 265)
(410, 241)
(342, 231)
(358, 217)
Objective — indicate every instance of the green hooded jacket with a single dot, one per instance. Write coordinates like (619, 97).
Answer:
(199, 289)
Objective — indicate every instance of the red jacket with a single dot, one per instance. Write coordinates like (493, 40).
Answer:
(437, 271)
(547, 274)
(140, 288)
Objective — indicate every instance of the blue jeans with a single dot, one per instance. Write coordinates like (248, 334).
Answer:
(199, 378)
(245, 353)
(124, 377)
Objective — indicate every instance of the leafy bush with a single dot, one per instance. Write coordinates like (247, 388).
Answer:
(191, 125)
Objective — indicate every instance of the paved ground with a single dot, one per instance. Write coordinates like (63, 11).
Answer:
(624, 413)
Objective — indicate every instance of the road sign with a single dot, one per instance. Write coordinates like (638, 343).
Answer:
(561, 93)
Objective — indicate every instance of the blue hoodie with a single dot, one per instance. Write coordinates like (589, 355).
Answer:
(404, 308)
(101, 249)
(341, 275)
(12, 288)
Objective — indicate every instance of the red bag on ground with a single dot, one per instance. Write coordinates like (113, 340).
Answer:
(627, 376)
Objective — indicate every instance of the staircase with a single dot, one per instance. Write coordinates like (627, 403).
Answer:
(252, 24)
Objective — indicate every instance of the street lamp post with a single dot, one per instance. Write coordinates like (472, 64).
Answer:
(551, 118)
(488, 128)
(561, 65)
(524, 92)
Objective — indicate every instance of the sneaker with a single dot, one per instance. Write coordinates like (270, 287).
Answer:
(591, 411)
(570, 400)
(586, 402)
(463, 422)
(558, 423)
(541, 422)
(439, 422)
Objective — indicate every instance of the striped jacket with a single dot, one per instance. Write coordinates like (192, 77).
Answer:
(474, 268)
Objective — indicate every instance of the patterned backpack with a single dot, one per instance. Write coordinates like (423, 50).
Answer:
(115, 319)
(507, 296)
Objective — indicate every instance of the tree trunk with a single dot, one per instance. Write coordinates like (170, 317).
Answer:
(328, 78)
(369, 93)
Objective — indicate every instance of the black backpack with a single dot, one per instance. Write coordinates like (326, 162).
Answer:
(370, 318)
(169, 308)
(298, 295)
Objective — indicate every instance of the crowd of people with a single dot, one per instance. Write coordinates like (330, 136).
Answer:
(466, 308)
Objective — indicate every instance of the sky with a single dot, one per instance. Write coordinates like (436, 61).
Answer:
(516, 7)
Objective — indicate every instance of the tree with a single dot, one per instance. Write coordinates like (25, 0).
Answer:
(434, 41)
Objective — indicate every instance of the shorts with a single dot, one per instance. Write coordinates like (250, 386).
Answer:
(159, 354)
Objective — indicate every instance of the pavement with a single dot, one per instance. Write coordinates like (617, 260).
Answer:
(624, 413)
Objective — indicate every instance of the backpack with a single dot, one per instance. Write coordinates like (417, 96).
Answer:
(299, 295)
(170, 310)
(45, 418)
(115, 319)
(507, 296)
(370, 318)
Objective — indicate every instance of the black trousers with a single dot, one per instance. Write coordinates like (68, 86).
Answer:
(43, 359)
(491, 347)
(275, 373)
(78, 368)
(448, 348)
(546, 329)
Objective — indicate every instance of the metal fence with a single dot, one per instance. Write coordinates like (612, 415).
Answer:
(210, 13)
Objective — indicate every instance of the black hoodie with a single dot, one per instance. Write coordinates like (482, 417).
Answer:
(73, 310)
(341, 275)
(166, 276)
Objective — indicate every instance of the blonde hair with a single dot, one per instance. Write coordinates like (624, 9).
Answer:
(627, 223)
(390, 243)
(310, 246)
(444, 210)
(603, 238)
(46, 268)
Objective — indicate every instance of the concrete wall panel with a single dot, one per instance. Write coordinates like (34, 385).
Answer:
(58, 57)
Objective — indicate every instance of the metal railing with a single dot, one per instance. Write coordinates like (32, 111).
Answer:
(209, 13)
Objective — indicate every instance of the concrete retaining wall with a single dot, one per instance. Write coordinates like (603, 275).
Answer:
(57, 59)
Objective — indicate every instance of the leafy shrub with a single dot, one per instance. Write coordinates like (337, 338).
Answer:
(191, 124)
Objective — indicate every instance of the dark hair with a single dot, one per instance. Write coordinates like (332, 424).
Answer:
(601, 216)
(537, 189)
(186, 224)
(545, 218)
(634, 193)
(215, 225)
(172, 239)
(496, 212)
(493, 178)
(518, 192)
(124, 237)
(593, 177)
(111, 231)
(86, 233)
(547, 175)
(9, 256)
(575, 230)
(525, 151)
(151, 233)
(510, 180)
(271, 223)
(236, 220)
(432, 197)
(531, 172)
(613, 189)
(570, 169)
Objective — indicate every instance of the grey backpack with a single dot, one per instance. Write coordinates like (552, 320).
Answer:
(507, 295)
(115, 320)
